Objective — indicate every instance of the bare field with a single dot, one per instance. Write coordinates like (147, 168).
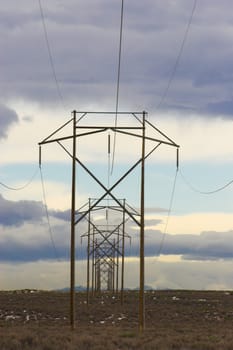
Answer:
(174, 320)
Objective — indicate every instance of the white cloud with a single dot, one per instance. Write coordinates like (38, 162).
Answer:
(189, 275)
(195, 223)
(160, 273)
(43, 275)
(200, 138)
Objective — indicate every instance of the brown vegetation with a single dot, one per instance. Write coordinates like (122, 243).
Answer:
(174, 320)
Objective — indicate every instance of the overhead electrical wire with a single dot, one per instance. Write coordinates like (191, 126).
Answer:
(194, 189)
(20, 187)
(172, 198)
(44, 199)
(118, 83)
(171, 76)
(47, 215)
(163, 97)
(51, 61)
(168, 216)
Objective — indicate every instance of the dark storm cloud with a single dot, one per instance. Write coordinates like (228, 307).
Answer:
(84, 39)
(209, 245)
(7, 118)
(26, 235)
(20, 253)
(38, 242)
(17, 213)
(16, 252)
(222, 107)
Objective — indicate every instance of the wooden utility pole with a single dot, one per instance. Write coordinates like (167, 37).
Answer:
(123, 256)
(72, 236)
(88, 254)
(142, 258)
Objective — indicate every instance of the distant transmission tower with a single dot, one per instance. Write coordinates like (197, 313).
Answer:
(106, 247)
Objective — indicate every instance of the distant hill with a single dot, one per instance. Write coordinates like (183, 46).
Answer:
(77, 289)
(83, 289)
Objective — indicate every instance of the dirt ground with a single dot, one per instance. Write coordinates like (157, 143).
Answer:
(173, 320)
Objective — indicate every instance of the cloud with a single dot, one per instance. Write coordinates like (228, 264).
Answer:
(43, 275)
(155, 210)
(149, 52)
(59, 214)
(28, 239)
(16, 213)
(197, 111)
(26, 236)
(152, 222)
(211, 246)
(224, 108)
(177, 275)
(39, 242)
(206, 246)
(27, 118)
(19, 252)
(7, 118)
(196, 275)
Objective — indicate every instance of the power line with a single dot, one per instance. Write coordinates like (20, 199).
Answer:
(50, 54)
(172, 198)
(118, 82)
(178, 57)
(21, 187)
(194, 189)
(168, 216)
(45, 205)
(47, 216)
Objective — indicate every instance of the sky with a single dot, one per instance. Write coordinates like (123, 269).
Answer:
(176, 64)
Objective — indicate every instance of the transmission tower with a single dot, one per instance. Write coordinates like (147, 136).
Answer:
(150, 138)
(106, 246)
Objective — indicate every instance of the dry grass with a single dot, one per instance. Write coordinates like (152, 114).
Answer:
(181, 320)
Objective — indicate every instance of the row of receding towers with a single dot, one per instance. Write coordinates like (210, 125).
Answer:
(106, 239)
(106, 247)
